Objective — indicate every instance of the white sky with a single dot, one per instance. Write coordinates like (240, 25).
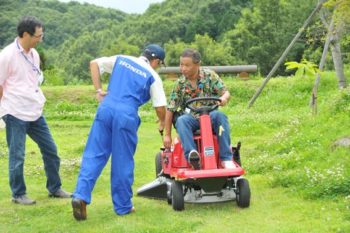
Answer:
(128, 6)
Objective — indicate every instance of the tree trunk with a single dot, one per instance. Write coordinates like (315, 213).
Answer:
(313, 102)
(338, 60)
(335, 35)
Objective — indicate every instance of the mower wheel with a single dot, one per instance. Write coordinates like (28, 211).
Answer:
(243, 193)
(158, 162)
(177, 196)
(169, 196)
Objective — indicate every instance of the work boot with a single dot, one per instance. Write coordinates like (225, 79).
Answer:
(23, 200)
(132, 210)
(194, 159)
(79, 209)
(60, 193)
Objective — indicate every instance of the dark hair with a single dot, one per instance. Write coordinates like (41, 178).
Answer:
(28, 24)
(192, 53)
(147, 54)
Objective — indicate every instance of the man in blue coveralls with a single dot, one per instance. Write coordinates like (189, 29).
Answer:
(133, 82)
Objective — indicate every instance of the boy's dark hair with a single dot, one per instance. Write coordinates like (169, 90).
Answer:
(192, 53)
(28, 24)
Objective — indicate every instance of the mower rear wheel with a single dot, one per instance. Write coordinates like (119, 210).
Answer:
(243, 193)
(177, 196)
(158, 161)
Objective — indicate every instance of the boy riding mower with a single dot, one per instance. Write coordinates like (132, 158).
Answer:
(178, 182)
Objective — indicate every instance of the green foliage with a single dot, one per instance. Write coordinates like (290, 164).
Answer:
(304, 68)
(61, 20)
(8, 35)
(77, 54)
(54, 77)
(120, 45)
(316, 33)
(215, 18)
(345, 44)
(341, 102)
(70, 103)
(213, 53)
(227, 32)
(295, 148)
(342, 9)
(265, 30)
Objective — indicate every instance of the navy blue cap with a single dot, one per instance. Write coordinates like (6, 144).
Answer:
(155, 51)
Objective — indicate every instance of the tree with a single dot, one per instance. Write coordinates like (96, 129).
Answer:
(215, 18)
(283, 56)
(213, 53)
(339, 18)
(263, 32)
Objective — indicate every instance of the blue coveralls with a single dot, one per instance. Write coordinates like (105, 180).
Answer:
(114, 131)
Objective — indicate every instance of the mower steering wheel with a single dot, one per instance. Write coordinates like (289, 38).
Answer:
(205, 109)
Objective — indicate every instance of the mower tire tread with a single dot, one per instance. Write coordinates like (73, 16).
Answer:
(243, 193)
(177, 196)
(158, 162)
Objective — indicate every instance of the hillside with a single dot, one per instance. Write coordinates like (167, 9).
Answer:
(226, 32)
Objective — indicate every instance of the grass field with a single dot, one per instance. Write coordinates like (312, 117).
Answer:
(299, 180)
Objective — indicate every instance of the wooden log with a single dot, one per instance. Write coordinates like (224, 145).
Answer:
(217, 69)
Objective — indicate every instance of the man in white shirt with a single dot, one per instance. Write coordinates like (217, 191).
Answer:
(2, 123)
(133, 82)
(22, 103)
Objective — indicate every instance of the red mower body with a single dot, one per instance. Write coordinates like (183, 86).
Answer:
(176, 166)
(179, 182)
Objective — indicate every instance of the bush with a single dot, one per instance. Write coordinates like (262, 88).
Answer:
(54, 77)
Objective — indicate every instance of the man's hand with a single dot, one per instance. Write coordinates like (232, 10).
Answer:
(167, 141)
(223, 101)
(100, 95)
(224, 98)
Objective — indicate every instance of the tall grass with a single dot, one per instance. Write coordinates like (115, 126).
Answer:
(299, 178)
(292, 146)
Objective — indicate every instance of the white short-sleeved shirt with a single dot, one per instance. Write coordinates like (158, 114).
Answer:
(106, 64)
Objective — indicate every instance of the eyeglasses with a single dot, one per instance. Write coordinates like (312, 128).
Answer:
(38, 36)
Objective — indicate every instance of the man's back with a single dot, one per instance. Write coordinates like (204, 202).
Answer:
(130, 81)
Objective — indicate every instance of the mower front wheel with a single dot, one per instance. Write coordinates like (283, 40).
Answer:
(243, 193)
(177, 196)
(169, 197)
(158, 162)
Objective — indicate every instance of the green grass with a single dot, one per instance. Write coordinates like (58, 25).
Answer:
(299, 180)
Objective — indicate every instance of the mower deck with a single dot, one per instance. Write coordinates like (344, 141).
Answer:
(195, 196)
(159, 187)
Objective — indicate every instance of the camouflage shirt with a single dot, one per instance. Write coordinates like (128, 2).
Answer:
(209, 84)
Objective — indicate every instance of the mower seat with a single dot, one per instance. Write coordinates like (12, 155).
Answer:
(198, 133)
